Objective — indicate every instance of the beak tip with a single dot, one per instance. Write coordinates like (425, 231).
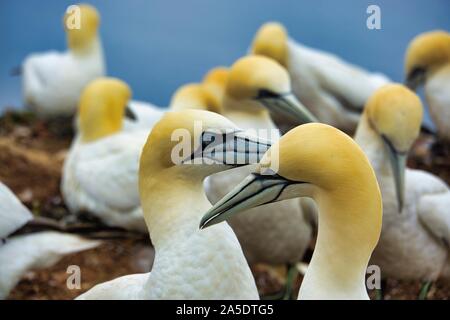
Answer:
(203, 224)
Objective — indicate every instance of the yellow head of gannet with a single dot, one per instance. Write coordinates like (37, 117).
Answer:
(256, 83)
(194, 96)
(321, 162)
(186, 146)
(271, 41)
(215, 82)
(395, 113)
(102, 107)
(80, 37)
(426, 54)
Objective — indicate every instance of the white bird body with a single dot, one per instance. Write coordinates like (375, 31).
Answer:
(437, 92)
(191, 265)
(100, 177)
(412, 243)
(334, 90)
(35, 251)
(21, 253)
(53, 81)
(146, 114)
(13, 214)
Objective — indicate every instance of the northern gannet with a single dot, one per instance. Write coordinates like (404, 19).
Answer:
(20, 253)
(53, 81)
(100, 173)
(280, 233)
(414, 243)
(427, 62)
(189, 96)
(194, 96)
(189, 264)
(215, 82)
(320, 162)
(276, 233)
(334, 90)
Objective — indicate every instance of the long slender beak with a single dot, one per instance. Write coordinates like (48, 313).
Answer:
(288, 105)
(398, 165)
(129, 113)
(253, 191)
(235, 148)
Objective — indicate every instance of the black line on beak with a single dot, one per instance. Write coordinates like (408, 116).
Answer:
(391, 146)
(256, 177)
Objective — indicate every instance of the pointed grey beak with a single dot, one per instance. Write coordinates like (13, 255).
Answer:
(234, 148)
(286, 104)
(129, 114)
(398, 165)
(253, 191)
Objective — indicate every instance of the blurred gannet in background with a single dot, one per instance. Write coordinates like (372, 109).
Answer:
(194, 96)
(414, 243)
(189, 263)
(107, 148)
(427, 62)
(53, 81)
(100, 173)
(141, 115)
(20, 253)
(276, 233)
(320, 162)
(215, 82)
(334, 90)
(188, 96)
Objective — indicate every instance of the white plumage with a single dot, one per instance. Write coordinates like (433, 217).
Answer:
(437, 92)
(13, 214)
(21, 253)
(53, 81)
(192, 265)
(100, 177)
(334, 90)
(35, 251)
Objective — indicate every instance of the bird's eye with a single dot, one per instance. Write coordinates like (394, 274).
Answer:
(265, 94)
(416, 73)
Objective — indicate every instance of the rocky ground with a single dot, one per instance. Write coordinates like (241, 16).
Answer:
(31, 157)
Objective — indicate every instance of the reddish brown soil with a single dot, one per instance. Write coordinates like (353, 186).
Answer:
(31, 156)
